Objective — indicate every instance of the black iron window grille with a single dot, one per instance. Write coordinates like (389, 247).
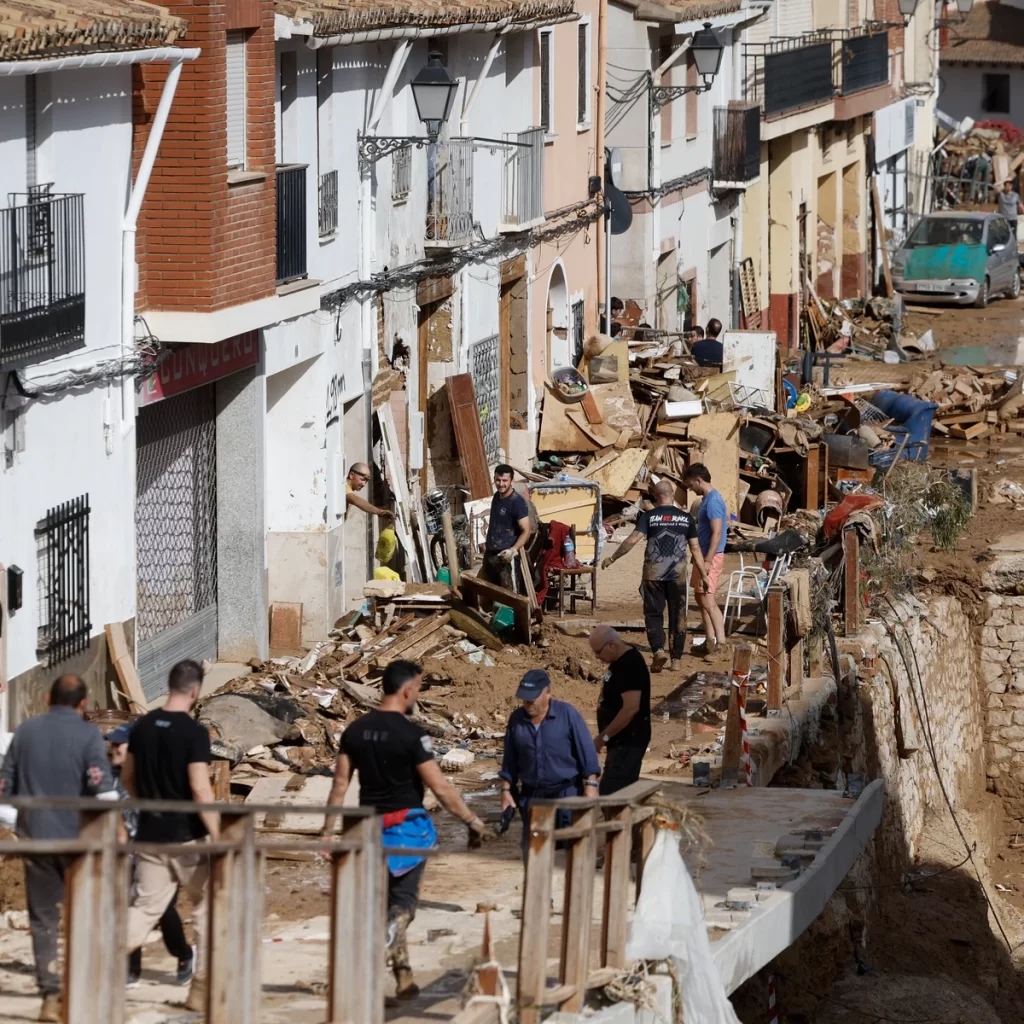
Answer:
(291, 222)
(42, 276)
(328, 202)
(63, 546)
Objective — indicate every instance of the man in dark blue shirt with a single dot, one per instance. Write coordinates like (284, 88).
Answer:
(508, 529)
(708, 351)
(548, 750)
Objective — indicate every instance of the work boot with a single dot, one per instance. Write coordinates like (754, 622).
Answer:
(405, 987)
(659, 661)
(50, 1010)
(196, 1000)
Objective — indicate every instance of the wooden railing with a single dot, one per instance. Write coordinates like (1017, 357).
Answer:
(624, 824)
(96, 899)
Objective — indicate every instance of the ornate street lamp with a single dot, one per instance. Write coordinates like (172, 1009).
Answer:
(707, 56)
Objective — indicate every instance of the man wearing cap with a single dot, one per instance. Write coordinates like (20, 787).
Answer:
(548, 750)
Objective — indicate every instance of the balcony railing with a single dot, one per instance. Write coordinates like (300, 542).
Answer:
(450, 192)
(291, 222)
(865, 62)
(328, 203)
(791, 73)
(737, 153)
(42, 276)
(522, 179)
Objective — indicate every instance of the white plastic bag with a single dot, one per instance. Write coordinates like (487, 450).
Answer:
(669, 922)
(8, 815)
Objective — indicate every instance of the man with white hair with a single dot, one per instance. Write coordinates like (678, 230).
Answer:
(670, 533)
(624, 710)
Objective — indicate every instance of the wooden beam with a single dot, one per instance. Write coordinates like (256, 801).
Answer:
(95, 905)
(578, 910)
(795, 671)
(536, 915)
(476, 590)
(812, 468)
(618, 847)
(776, 646)
(851, 579)
(451, 549)
(879, 226)
(124, 665)
(732, 748)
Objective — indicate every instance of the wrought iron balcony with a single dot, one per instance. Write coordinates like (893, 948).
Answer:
(291, 222)
(795, 73)
(522, 179)
(864, 62)
(328, 203)
(449, 192)
(737, 142)
(42, 277)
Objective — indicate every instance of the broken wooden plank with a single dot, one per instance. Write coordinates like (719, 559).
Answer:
(469, 438)
(286, 625)
(466, 619)
(124, 665)
(590, 408)
(969, 433)
(599, 433)
(475, 589)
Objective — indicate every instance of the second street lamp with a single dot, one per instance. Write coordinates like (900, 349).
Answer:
(707, 56)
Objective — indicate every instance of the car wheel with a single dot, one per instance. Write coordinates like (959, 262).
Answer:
(982, 300)
(1014, 290)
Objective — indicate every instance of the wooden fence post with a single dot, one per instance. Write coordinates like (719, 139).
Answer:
(851, 581)
(95, 923)
(355, 984)
(776, 646)
(732, 748)
(536, 916)
(795, 675)
(578, 909)
(235, 915)
(615, 914)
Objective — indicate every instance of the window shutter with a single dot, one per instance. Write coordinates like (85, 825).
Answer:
(545, 81)
(582, 99)
(236, 93)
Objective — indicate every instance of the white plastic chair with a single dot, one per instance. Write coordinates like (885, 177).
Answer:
(751, 583)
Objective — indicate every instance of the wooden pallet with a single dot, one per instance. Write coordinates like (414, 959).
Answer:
(748, 295)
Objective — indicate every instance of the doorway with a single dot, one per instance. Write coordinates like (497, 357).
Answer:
(558, 320)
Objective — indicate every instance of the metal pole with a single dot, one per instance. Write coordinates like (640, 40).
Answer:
(608, 269)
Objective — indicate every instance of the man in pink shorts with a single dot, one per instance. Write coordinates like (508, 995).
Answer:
(711, 530)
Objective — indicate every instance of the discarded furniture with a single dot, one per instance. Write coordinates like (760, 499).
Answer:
(577, 590)
(751, 583)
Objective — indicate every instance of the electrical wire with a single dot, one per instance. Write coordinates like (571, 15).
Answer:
(906, 880)
(926, 720)
(578, 216)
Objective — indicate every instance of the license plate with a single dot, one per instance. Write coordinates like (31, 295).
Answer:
(930, 286)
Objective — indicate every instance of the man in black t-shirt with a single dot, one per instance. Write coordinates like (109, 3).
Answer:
(671, 532)
(169, 759)
(395, 761)
(508, 529)
(624, 710)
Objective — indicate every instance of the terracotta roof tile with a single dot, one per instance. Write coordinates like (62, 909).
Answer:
(993, 33)
(37, 28)
(334, 17)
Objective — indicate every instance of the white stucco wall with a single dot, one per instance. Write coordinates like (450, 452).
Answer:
(73, 442)
(960, 92)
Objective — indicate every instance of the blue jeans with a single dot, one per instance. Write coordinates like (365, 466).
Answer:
(563, 819)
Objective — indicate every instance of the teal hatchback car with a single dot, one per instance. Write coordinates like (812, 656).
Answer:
(958, 257)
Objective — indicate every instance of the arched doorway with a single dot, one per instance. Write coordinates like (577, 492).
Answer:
(558, 319)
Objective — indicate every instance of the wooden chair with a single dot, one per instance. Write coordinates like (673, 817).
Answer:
(576, 590)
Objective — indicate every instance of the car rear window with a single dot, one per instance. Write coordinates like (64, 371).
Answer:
(947, 231)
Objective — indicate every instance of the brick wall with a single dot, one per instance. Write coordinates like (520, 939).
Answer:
(204, 244)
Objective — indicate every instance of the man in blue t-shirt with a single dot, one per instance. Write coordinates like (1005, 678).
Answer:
(712, 520)
(507, 530)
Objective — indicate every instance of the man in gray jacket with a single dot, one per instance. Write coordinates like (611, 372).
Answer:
(56, 754)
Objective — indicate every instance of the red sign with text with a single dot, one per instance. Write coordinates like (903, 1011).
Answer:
(192, 366)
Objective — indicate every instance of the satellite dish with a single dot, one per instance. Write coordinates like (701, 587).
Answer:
(614, 166)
